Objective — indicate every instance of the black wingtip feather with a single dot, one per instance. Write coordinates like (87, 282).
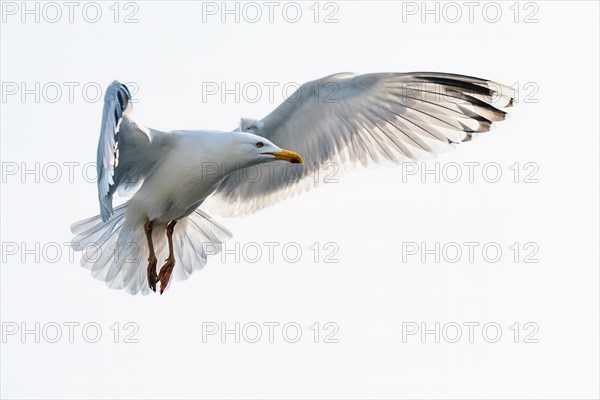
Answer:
(472, 87)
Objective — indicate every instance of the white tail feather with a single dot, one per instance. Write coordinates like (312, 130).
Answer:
(119, 257)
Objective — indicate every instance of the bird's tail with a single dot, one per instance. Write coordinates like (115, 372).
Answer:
(119, 256)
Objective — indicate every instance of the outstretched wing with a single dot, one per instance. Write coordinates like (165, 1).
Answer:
(125, 154)
(346, 120)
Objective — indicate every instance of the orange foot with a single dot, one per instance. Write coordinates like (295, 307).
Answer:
(164, 275)
(152, 277)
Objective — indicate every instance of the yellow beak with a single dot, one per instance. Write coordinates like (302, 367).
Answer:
(288, 156)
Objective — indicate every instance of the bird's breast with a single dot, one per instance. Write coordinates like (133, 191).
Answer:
(178, 186)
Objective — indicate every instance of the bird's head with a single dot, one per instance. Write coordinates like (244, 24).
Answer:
(254, 149)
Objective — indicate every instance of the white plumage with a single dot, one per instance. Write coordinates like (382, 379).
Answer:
(347, 119)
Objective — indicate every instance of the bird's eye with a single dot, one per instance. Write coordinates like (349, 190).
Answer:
(260, 144)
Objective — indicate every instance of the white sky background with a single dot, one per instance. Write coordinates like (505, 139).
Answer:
(370, 294)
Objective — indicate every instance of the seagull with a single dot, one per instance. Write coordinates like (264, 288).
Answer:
(345, 120)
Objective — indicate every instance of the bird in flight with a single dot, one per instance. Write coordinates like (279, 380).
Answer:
(347, 120)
